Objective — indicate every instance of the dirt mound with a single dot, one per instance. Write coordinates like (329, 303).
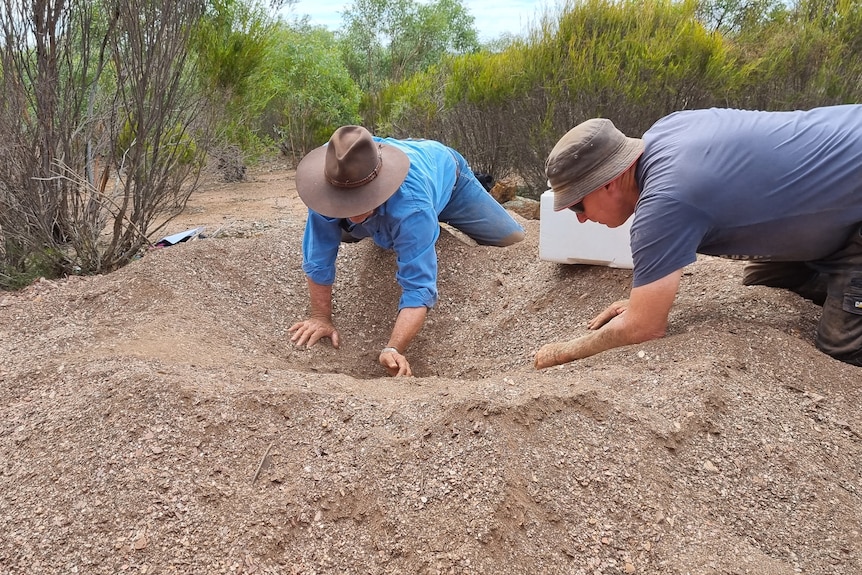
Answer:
(158, 420)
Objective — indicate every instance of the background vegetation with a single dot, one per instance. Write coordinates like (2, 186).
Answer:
(110, 109)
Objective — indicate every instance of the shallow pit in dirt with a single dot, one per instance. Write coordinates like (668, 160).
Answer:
(238, 298)
(219, 301)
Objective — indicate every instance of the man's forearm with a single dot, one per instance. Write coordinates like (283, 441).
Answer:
(590, 344)
(642, 318)
(612, 335)
(320, 297)
(407, 325)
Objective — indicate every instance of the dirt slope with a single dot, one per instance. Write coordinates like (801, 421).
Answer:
(158, 420)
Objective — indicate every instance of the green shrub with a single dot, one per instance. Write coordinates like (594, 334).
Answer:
(630, 61)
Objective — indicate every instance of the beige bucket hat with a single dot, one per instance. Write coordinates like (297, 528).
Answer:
(589, 156)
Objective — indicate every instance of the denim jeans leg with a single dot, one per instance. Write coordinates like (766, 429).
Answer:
(476, 213)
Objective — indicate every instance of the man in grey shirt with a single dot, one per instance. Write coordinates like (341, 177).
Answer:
(780, 189)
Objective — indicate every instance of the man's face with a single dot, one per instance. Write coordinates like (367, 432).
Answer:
(361, 217)
(604, 206)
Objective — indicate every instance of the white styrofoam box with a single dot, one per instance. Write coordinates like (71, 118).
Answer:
(563, 239)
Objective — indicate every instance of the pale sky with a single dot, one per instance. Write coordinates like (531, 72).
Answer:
(492, 17)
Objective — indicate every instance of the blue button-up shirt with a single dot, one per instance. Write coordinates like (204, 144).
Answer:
(406, 223)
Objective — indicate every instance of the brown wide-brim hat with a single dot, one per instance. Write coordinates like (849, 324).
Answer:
(350, 175)
(590, 155)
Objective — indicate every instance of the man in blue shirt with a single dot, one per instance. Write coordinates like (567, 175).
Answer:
(781, 189)
(395, 192)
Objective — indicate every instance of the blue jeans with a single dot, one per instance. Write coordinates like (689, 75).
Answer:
(476, 213)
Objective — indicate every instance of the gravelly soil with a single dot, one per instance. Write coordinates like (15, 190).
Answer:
(158, 420)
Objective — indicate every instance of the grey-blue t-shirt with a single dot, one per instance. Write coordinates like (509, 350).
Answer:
(782, 186)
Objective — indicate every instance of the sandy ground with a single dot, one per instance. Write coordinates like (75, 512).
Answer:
(158, 419)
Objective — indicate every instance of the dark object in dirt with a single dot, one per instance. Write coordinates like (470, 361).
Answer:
(487, 180)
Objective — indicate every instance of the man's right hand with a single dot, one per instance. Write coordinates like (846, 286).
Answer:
(309, 331)
(396, 364)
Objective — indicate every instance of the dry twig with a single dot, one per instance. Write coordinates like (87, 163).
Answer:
(260, 465)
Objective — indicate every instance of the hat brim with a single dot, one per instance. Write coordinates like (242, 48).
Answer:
(569, 195)
(337, 202)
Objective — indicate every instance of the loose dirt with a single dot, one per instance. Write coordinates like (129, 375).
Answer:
(158, 420)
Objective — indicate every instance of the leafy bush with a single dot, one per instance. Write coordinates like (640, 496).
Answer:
(311, 92)
(629, 61)
(802, 56)
(73, 199)
(231, 44)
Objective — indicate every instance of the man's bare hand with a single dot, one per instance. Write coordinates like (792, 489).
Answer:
(310, 331)
(395, 363)
(610, 312)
